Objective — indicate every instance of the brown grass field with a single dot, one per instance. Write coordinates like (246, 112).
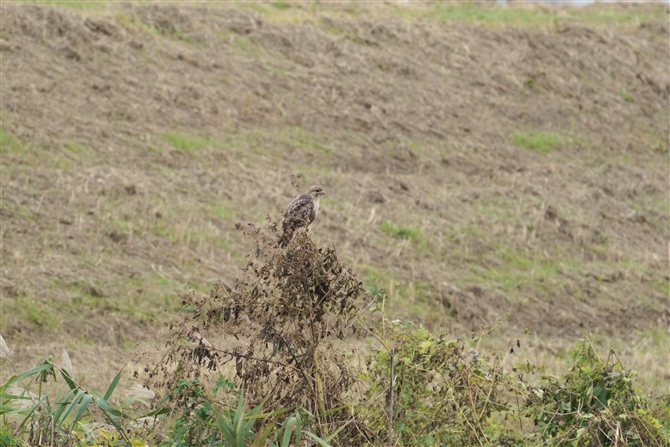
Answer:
(477, 161)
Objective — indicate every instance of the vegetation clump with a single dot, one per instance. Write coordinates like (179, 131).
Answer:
(285, 312)
(275, 360)
(594, 403)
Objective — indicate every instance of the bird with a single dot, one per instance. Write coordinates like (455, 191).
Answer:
(301, 213)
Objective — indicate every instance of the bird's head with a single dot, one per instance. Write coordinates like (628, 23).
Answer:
(316, 191)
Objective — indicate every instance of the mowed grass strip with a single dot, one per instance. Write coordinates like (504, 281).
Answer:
(496, 15)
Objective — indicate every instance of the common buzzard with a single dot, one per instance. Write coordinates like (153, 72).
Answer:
(301, 213)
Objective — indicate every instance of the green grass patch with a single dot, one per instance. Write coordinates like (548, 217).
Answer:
(403, 232)
(541, 141)
(657, 144)
(281, 5)
(623, 94)
(301, 138)
(519, 269)
(221, 211)
(375, 281)
(248, 45)
(75, 147)
(9, 144)
(279, 71)
(31, 309)
(331, 203)
(189, 143)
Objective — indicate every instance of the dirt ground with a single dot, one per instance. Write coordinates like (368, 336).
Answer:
(471, 170)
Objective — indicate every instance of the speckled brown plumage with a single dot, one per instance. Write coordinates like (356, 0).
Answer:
(301, 213)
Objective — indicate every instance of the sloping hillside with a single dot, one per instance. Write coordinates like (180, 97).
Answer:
(514, 161)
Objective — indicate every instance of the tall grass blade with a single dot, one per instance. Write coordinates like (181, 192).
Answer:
(298, 428)
(112, 386)
(6, 409)
(332, 435)
(225, 428)
(112, 413)
(62, 402)
(26, 374)
(70, 383)
(318, 440)
(238, 422)
(289, 425)
(252, 416)
(82, 407)
(75, 401)
(157, 412)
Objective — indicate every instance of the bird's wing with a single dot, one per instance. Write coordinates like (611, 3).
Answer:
(300, 213)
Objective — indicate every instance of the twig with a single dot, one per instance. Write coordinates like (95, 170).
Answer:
(318, 381)
(469, 386)
(390, 428)
(617, 433)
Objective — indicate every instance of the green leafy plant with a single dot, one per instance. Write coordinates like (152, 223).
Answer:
(437, 390)
(53, 412)
(236, 426)
(206, 420)
(7, 439)
(594, 404)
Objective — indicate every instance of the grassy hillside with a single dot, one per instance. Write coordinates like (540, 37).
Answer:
(477, 161)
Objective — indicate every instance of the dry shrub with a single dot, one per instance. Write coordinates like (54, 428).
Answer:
(281, 318)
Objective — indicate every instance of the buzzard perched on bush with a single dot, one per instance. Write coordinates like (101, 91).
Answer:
(301, 213)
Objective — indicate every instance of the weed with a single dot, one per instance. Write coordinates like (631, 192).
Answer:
(50, 414)
(595, 403)
(435, 389)
(7, 439)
